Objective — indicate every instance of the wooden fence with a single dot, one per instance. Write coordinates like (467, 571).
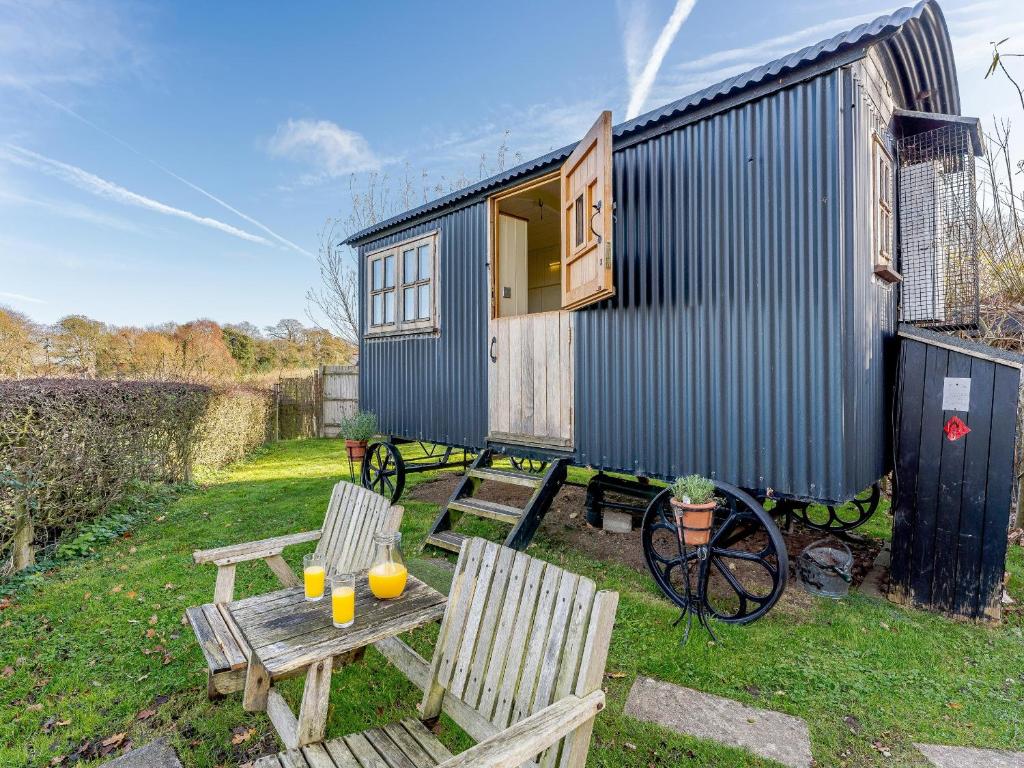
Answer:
(340, 396)
(314, 405)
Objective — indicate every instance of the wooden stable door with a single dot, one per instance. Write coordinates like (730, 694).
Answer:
(530, 379)
(587, 218)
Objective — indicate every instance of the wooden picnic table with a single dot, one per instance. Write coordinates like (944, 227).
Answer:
(290, 636)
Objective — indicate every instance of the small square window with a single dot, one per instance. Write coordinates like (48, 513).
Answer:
(409, 304)
(377, 316)
(424, 259)
(409, 266)
(424, 301)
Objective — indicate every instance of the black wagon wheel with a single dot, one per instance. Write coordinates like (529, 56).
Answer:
(384, 470)
(846, 517)
(747, 566)
(527, 465)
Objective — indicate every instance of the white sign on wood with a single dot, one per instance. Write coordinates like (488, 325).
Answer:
(956, 394)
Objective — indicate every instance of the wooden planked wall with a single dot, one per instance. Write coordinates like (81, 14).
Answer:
(952, 499)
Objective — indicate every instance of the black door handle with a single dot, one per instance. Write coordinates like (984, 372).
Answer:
(494, 358)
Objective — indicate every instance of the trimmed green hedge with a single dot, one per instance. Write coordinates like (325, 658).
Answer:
(69, 448)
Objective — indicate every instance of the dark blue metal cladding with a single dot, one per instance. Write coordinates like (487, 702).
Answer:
(435, 387)
(735, 346)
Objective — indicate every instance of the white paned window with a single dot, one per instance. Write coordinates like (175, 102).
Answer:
(402, 287)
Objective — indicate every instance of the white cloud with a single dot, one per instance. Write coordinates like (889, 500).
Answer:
(69, 210)
(111, 191)
(20, 297)
(693, 75)
(332, 150)
(75, 43)
(640, 88)
(633, 17)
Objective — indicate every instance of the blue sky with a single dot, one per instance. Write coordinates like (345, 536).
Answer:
(167, 161)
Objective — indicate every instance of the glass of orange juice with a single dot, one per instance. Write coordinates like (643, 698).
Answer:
(343, 599)
(313, 575)
(388, 574)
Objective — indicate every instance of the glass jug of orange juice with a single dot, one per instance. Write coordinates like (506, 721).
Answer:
(388, 575)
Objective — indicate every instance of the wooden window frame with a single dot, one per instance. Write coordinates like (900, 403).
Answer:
(400, 326)
(883, 234)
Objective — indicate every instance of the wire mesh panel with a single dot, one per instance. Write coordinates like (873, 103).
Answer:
(938, 229)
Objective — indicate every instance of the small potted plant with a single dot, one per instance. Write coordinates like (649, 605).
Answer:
(693, 500)
(357, 430)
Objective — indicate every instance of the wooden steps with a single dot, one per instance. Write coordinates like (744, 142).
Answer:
(491, 509)
(506, 476)
(524, 521)
(449, 540)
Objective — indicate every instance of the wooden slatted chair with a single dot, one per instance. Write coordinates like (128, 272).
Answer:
(354, 515)
(518, 665)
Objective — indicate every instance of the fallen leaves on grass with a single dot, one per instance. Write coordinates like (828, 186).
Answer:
(153, 619)
(115, 740)
(241, 733)
(52, 722)
(145, 714)
(7, 671)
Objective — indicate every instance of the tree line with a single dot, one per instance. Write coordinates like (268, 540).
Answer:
(199, 351)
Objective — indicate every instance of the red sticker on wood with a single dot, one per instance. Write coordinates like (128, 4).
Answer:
(955, 429)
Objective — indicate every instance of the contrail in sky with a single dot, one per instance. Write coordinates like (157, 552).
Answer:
(108, 189)
(642, 86)
(169, 172)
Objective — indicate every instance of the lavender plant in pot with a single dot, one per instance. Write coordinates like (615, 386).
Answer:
(693, 501)
(357, 430)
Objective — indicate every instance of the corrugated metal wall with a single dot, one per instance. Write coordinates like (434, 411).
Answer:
(744, 341)
(435, 387)
(737, 345)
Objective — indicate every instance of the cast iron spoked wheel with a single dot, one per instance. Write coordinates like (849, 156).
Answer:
(746, 564)
(840, 519)
(527, 465)
(384, 470)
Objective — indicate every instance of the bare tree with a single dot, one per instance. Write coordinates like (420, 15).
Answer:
(337, 296)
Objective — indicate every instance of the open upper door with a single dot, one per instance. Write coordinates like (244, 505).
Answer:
(587, 218)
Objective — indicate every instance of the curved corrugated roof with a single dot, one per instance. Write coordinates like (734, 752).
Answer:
(913, 43)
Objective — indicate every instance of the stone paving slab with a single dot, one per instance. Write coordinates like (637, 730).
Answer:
(872, 584)
(156, 754)
(773, 735)
(961, 757)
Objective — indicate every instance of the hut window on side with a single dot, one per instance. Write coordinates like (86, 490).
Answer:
(882, 181)
(401, 286)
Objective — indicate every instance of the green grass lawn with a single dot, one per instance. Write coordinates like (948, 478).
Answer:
(96, 650)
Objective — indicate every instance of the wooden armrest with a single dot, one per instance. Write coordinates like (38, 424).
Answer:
(252, 550)
(531, 736)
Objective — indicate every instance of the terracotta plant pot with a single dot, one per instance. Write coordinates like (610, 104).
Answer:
(695, 520)
(356, 449)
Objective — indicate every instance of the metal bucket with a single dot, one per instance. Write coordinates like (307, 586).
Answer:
(826, 568)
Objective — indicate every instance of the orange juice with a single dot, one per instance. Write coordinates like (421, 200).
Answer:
(314, 579)
(387, 580)
(343, 605)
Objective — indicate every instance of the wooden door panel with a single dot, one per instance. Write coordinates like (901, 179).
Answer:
(530, 379)
(586, 180)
